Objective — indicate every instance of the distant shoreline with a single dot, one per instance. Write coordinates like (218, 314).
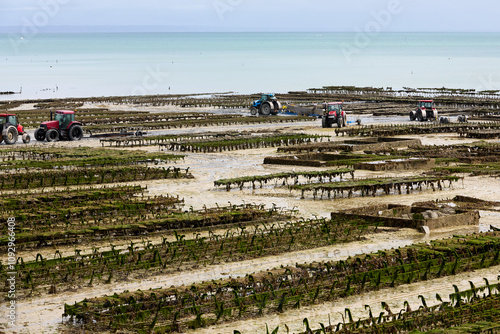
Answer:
(356, 92)
(207, 30)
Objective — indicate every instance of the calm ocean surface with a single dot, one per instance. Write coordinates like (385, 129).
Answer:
(78, 65)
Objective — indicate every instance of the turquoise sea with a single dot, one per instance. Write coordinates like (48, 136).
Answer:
(79, 65)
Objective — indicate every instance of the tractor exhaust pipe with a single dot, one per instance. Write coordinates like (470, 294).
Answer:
(51, 115)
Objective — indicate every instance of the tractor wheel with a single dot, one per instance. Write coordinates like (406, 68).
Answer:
(420, 118)
(325, 123)
(276, 107)
(253, 111)
(26, 138)
(435, 115)
(40, 134)
(339, 122)
(412, 115)
(11, 135)
(52, 135)
(265, 109)
(75, 132)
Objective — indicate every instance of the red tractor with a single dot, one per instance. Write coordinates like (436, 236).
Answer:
(334, 114)
(62, 125)
(10, 129)
(425, 111)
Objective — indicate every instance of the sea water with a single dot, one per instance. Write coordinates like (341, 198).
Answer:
(110, 64)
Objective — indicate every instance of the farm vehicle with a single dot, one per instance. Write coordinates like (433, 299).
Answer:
(425, 111)
(334, 114)
(62, 125)
(10, 129)
(267, 105)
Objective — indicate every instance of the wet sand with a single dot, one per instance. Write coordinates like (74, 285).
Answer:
(333, 312)
(43, 314)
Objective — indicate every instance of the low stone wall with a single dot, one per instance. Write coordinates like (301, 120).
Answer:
(367, 144)
(465, 218)
(307, 159)
(289, 160)
(390, 215)
(468, 199)
(380, 144)
(371, 209)
(417, 163)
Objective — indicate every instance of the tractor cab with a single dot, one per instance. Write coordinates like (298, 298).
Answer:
(426, 104)
(59, 120)
(334, 108)
(64, 118)
(8, 118)
(267, 97)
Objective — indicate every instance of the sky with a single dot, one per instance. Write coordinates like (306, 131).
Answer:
(250, 15)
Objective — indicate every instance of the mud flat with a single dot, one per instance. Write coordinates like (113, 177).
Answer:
(42, 312)
(334, 312)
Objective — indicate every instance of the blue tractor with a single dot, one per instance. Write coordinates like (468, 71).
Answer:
(267, 105)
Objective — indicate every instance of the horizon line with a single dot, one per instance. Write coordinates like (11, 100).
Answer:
(2, 31)
(173, 29)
